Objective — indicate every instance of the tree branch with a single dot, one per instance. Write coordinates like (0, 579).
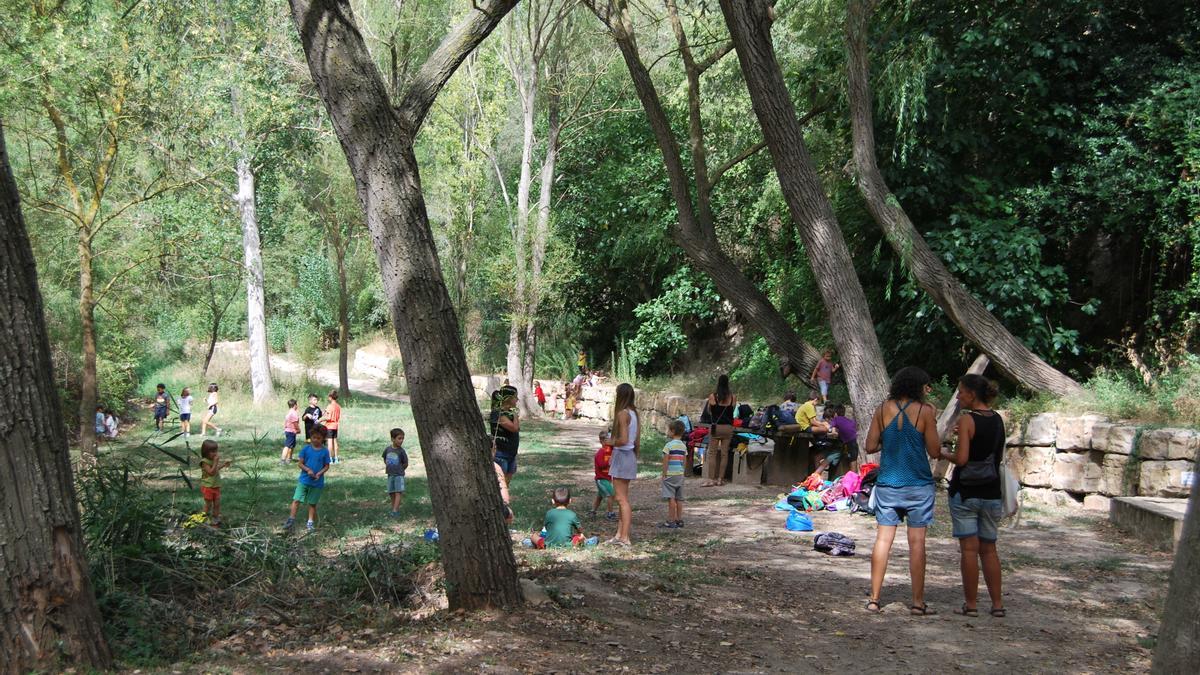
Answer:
(753, 149)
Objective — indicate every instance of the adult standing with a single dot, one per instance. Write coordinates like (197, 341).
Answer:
(721, 406)
(906, 428)
(975, 493)
(627, 443)
(506, 432)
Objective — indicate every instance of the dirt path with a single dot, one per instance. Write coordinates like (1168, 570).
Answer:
(329, 377)
(735, 592)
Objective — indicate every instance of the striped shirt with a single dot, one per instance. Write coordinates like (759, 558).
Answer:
(676, 453)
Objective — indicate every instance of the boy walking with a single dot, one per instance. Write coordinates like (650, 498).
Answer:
(562, 525)
(160, 406)
(395, 461)
(674, 455)
(314, 462)
(604, 486)
(291, 427)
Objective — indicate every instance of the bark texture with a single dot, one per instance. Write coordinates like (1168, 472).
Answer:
(48, 614)
(694, 234)
(377, 139)
(749, 23)
(1178, 649)
(980, 326)
(256, 316)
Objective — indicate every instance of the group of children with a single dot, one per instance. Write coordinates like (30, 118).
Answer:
(330, 419)
(162, 407)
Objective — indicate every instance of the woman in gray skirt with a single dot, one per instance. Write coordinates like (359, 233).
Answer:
(626, 442)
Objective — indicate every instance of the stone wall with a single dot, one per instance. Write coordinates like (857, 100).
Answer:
(1065, 459)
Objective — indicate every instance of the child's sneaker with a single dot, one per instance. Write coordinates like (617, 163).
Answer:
(668, 525)
(395, 514)
(679, 524)
(591, 515)
(611, 515)
(287, 524)
(309, 526)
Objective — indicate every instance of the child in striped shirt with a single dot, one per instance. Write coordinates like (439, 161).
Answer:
(674, 456)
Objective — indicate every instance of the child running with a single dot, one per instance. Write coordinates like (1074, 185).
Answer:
(312, 415)
(213, 400)
(604, 485)
(185, 412)
(395, 461)
(160, 406)
(674, 455)
(210, 480)
(333, 419)
(314, 462)
(291, 427)
(562, 525)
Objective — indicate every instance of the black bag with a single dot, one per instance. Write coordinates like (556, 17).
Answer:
(834, 543)
(744, 413)
(982, 472)
(770, 420)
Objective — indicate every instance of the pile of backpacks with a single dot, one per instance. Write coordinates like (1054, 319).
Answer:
(851, 492)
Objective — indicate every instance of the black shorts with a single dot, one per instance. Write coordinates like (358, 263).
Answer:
(160, 413)
(185, 417)
(213, 409)
(331, 434)
(852, 450)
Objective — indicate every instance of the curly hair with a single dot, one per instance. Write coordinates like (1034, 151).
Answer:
(984, 389)
(909, 382)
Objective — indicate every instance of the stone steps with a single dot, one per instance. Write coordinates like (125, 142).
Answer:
(1157, 521)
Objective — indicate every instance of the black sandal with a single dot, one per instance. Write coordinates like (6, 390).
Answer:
(923, 610)
(878, 607)
(998, 612)
(967, 611)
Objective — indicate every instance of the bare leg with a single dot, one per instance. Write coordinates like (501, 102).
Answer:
(217, 509)
(991, 572)
(292, 511)
(611, 504)
(884, 535)
(312, 513)
(208, 506)
(969, 564)
(395, 501)
(625, 521)
(916, 564)
(596, 503)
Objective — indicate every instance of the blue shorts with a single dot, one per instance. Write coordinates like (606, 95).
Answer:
(160, 413)
(507, 464)
(975, 518)
(289, 439)
(395, 484)
(185, 417)
(913, 504)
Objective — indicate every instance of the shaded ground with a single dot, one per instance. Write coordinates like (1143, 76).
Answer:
(735, 592)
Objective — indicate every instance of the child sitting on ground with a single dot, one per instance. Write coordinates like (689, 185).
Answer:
(847, 432)
(674, 455)
(562, 525)
(604, 486)
(395, 460)
(314, 462)
(210, 480)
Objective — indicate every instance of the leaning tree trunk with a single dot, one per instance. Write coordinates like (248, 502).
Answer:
(88, 392)
(1178, 649)
(48, 615)
(749, 25)
(377, 139)
(979, 325)
(256, 321)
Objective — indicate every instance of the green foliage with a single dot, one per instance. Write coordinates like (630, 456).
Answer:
(624, 367)
(687, 298)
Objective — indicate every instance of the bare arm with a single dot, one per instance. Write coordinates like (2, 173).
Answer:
(666, 459)
(620, 435)
(933, 443)
(966, 430)
(874, 431)
(509, 423)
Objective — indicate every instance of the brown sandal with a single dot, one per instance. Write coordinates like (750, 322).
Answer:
(923, 610)
(878, 607)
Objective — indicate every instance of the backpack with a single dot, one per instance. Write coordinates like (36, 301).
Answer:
(757, 420)
(687, 423)
(834, 543)
(745, 413)
(770, 420)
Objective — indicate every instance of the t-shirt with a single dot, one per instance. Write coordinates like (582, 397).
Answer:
(603, 460)
(110, 424)
(507, 442)
(315, 459)
(847, 429)
(185, 405)
(676, 453)
(561, 525)
(312, 414)
(333, 415)
(291, 422)
(541, 395)
(825, 370)
(160, 400)
(806, 414)
(787, 412)
(99, 426)
(213, 481)
(396, 460)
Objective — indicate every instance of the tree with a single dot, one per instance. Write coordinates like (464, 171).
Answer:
(47, 610)
(749, 23)
(1179, 634)
(980, 326)
(695, 232)
(377, 138)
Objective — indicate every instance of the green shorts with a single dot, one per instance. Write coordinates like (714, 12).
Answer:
(604, 487)
(307, 494)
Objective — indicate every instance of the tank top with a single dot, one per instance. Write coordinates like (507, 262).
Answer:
(904, 462)
(633, 432)
(988, 440)
(722, 414)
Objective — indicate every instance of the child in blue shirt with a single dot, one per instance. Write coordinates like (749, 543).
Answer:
(314, 462)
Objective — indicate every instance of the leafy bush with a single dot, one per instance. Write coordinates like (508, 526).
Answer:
(687, 297)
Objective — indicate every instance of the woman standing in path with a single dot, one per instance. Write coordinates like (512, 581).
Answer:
(721, 406)
(975, 495)
(906, 428)
(626, 442)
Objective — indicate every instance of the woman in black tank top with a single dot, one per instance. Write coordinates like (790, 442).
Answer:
(721, 406)
(975, 491)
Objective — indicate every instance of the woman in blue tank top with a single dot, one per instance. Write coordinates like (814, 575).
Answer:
(905, 428)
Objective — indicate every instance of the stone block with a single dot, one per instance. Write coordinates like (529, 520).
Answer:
(1075, 433)
(1041, 430)
(1044, 497)
(1165, 479)
(1114, 469)
(1168, 444)
(1119, 440)
(1097, 503)
(1033, 466)
(1077, 472)
(674, 405)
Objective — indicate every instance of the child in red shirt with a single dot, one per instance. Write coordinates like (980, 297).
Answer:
(604, 486)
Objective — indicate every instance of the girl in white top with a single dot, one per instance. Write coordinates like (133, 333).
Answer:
(185, 412)
(213, 400)
(626, 441)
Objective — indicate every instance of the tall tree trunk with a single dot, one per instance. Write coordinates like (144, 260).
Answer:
(48, 615)
(256, 321)
(343, 317)
(749, 25)
(87, 324)
(979, 325)
(698, 242)
(527, 77)
(377, 139)
(1178, 649)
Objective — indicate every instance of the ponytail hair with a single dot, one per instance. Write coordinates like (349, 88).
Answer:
(984, 389)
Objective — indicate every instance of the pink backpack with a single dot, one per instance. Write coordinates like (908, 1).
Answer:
(851, 482)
